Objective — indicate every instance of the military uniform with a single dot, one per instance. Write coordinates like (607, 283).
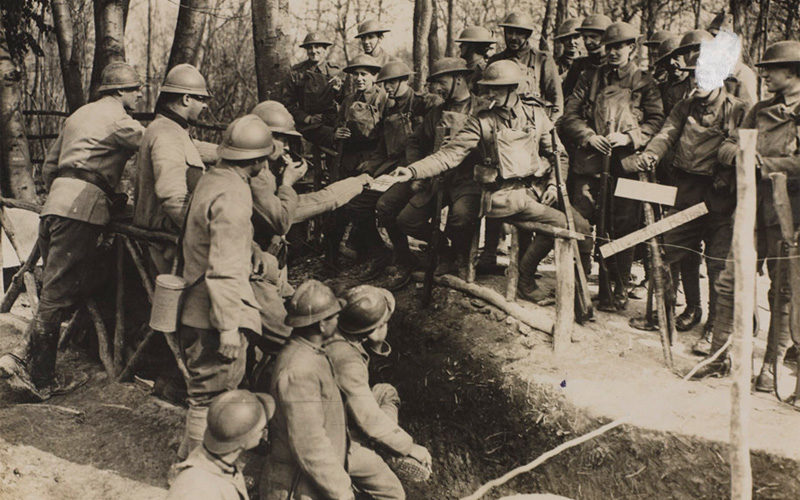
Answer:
(564, 63)
(361, 112)
(628, 98)
(308, 90)
(540, 77)
(203, 475)
(743, 83)
(587, 63)
(477, 66)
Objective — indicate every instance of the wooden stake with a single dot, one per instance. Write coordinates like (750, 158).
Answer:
(472, 260)
(512, 272)
(30, 290)
(19, 280)
(565, 295)
(137, 262)
(11, 233)
(744, 252)
(102, 337)
(119, 320)
(127, 372)
(72, 325)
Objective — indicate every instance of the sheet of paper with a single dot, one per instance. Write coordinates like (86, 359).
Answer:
(382, 183)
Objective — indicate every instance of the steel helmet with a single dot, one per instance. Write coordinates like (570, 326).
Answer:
(311, 303)
(277, 117)
(367, 307)
(595, 22)
(692, 40)
(786, 52)
(246, 138)
(393, 70)
(119, 75)
(518, 21)
(666, 48)
(620, 32)
(503, 72)
(369, 27)
(475, 34)
(236, 418)
(721, 21)
(315, 39)
(447, 66)
(185, 79)
(658, 37)
(568, 28)
(365, 61)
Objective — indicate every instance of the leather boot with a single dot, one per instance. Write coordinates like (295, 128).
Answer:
(41, 362)
(720, 367)
(690, 317)
(536, 251)
(765, 382)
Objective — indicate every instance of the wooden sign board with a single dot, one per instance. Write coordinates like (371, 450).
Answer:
(646, 191)
(653, 230)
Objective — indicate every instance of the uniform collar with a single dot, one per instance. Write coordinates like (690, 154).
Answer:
(368, 94)
(622, 72)
(168, 113)
(303, 342)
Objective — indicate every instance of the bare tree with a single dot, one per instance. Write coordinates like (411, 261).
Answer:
(272, 54)
(70, 51)
(109, 28)
(450, 44)
(548, 22)
(189, 29)
(422, 25)
(434, 47)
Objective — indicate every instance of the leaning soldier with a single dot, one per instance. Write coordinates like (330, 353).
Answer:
(613, 112)
(169, 163)
(372, 411)
(474, 45)
(591, 31)
(778, 151)
(511, 135)
(82, 170)
(311, 91)
(309, 441)
(217, 254)
(742, 82)
(568, 38)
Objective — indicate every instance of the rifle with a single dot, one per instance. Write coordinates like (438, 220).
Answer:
(583, 300)
(602, 229)
(436, 241)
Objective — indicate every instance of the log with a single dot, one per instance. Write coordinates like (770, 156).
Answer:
(472, 260)
(140, 268)
(128, 371)
(512, 272)
(119, 320)
(744, 252)
(19, 279)
(556, 232)
(72, 325)
(30, 290)
(172, 342)
(8, 227)
(565, 295)
(102, 337)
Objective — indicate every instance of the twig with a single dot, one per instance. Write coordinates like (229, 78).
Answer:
(71, 411)
(709, 359)
(542, 458)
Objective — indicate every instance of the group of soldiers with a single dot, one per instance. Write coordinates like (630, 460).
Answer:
(486, 139)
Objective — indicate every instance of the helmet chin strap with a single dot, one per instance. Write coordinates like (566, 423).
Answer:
(452, 89)
(508, 96)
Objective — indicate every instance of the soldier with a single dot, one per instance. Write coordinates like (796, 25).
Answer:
(676, 83)
(169, 163)
(540, 74)
(82, 170)
(612, 112)
(475, 43)
(591, 31)
(510, 135)
(237, 421)
(653, 53)
(742, 83)
(778, 151)
(449, 79)
(217, 252)
(311, 91)
(370, 33)
(569, 38)
(373, 411)
(308, 451)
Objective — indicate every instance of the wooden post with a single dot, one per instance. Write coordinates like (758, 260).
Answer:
(565, 294)
(512, 272)
(472, 260)
(18, 281)
(119, 323)
(102, 337)
(744, 252)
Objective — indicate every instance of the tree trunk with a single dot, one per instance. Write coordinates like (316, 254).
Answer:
(698, 10)
(272, 53)
(422, 26)
(450, 44)
(186, 44)
(69, 55)
(547, 25)
(562, 12)
(16, 180)
(741, 25)
(109, 35)
(434, 48)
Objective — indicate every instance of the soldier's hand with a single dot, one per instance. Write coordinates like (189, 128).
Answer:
(586, 192)
(313, 119)
(230, 342)
(421, 455)
(342, 133)
(403, 174)
(617, 139)
(550, 195)
(294, 172)
(601, 144)
(645, 162)
(336, 82)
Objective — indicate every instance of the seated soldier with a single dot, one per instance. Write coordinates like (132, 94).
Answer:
(373, 412)
(237, 421)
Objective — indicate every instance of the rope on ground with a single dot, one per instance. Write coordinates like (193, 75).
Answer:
(544, 457)
(710, 359)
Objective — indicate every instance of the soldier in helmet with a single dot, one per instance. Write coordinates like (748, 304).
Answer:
(308, 449)
(370, 34)
(591, 31)
(674, 83)
(510, 136)
(217, 254)
(742, 83)
(475, 43)
(779, 152)
(363, 322)
(540, 74)
(613, 111)
(312, 89)
(568, 37)
(169, 163)
(237, 421)
(82, 169)
(652, 45)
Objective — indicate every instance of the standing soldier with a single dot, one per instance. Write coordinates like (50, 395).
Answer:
(308, 450)
(510, 135)
(778, 151)
(613, 112)
(169, 164)
(652, 45)
(82, 170)
(217, 253)
(474, 44)
(370, 32)
(675, 83)
(591, 31)
(569, 38)
(311, 91)
(743, 82)
(540, 78)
